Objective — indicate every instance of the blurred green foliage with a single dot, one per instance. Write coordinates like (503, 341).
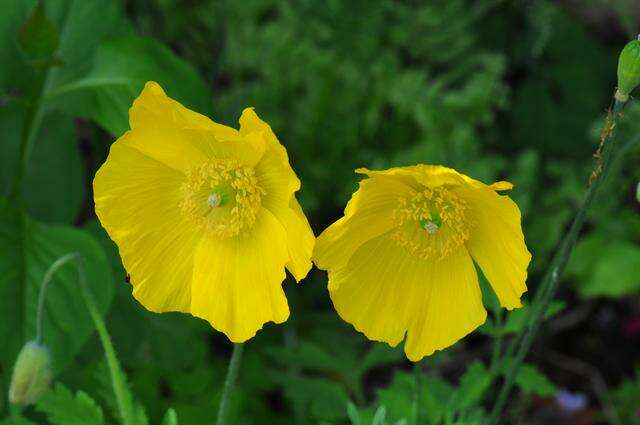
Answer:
(498, 90)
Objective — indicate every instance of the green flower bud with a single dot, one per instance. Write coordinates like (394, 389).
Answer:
(628, 70)
(31, 374)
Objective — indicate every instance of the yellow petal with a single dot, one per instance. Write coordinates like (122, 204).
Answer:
(384, 292)
(433, 176)
(368, 214)
(446, 307)
(249, 123)
(237, 282)
(137, 201)
(279, 181)
(300, 240)
(180, 138)
(497, 244)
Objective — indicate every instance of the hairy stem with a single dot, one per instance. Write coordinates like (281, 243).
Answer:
(550, 282)
(229, 384)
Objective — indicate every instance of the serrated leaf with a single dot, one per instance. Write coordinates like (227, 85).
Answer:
(27, 250)
(63, 408)
(473, 385)
(530, 380)
(398, 397)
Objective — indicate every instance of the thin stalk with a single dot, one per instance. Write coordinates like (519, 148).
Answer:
(497, 344)
(551, 280)
(43, 290)
(119, 386)
(229, 384)
(123, 398)
(418, 412)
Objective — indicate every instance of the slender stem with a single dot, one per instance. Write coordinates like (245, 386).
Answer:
(229, 384)
(123, 399)
(43, 290)
(497, 344)
(417, 401)
(550, 282)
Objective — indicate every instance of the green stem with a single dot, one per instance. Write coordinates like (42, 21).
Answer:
(497, 344)
(417, 401)
(119, 386)
(123, 399)
(229, 384)
(43, 290)
(551, 280)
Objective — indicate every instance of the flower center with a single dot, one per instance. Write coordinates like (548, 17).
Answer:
(221, 197)
(431, 223)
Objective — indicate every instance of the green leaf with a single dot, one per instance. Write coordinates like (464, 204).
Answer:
(120, 69)
(19, 420)
(532, 381)
(63, 408)
(38, 37)
(606, 267)
(52, 189)
(27, 249)
(353, 414)
(170, 418)
(398, 397)
(473, 384)
(14, 14)
(380, 417)
(379, 355)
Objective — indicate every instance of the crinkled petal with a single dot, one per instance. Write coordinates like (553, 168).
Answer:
(368, 214)
(237, 282)
(137, 200)
(384, 292)
(280, 183)
(180, 138)
(497, 244)
(433, 176)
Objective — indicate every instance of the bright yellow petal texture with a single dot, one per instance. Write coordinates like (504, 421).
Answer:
(135, 200)
(204, 215)
(241, 278)
(367, 215)
(278, 178)
(497, 243)
(400, 260)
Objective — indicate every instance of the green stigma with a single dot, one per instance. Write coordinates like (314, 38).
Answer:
(218, 198)
(433, 223)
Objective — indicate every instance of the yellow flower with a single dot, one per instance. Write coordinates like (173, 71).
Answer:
(399, 261)
(204, 216)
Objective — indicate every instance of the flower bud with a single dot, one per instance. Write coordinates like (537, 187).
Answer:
(31, 374)
(628, 70)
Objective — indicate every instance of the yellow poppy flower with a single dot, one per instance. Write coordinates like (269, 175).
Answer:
(204, 216)
(399, 261)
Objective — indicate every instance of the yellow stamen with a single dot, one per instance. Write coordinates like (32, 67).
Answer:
(222, 197)
(431, 223)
